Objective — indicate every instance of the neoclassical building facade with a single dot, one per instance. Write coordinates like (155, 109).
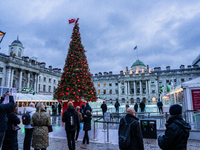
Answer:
(20, 71)
(140, 83)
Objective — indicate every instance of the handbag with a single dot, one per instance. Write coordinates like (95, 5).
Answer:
(15, 128)
(50, 129)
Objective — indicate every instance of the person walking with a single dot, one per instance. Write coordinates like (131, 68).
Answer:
(40, 121)
(82, 110)
(117, 106)
(104, 108)
(3, 117)
(87, 126)
(28, 128)
(80, 119)
(160, 106)
(87, 107)
(10, 142)
(142, 106)
(177, 131)
(136, 107)
(135, 134)
(72, 123)
(59, 108)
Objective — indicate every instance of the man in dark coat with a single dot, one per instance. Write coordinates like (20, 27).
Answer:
(104, 108)
(59, 108)
(136, 107)
(3, 118)
(160, 106)
(72, 123)
(135, 131)
(177, 131)
(117, 106)
(87, 107)
(142, 106)
(87, 126)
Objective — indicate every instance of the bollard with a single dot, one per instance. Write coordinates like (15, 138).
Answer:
(94, 133)
(107, 134)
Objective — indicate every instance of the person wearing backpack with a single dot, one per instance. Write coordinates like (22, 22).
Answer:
(87, 126)
(117, 107)
(72, 123)
(130, 135)
(177, 131)
(26, 118)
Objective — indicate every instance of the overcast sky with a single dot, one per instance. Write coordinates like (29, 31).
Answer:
(167, 33)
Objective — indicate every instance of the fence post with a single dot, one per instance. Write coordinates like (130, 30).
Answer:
(107, 134)
(94, 133)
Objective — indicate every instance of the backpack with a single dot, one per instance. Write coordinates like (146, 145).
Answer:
(124, 137)
(71, 121)
(116, 105)
(26, 119)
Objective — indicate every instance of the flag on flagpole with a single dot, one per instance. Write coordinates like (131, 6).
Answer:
(135, 47)
(72, 21)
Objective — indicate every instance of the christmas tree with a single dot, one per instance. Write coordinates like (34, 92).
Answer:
(76, 81)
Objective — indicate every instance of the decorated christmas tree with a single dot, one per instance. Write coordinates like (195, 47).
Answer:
(76, 81)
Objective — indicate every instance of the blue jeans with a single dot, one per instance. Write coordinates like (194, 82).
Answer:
(2, 135)
(117, 110)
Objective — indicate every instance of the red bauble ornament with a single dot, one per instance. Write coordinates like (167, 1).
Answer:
(77, 97)
(72, 89)
(74, 83)
(56, 91)
(62, 79)
(82, 87)
(59, 87)
(78, 80)
(74, 93)
(67, 93)
(77, 77)
(67, 89)
(79, 90)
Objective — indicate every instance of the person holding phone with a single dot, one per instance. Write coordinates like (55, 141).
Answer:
(3, 117)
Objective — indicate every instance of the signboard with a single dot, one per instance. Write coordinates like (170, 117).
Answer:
(196, 99)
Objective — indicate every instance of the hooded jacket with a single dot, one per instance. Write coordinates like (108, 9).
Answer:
(176, 134)
(31, 111)
(87, 107)
(87, 121)
(10, 141)
(3, 108)
(66, 118)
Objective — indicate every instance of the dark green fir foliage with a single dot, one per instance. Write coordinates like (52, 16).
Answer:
(76, 81)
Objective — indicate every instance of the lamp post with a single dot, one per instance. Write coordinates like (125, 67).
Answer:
(2, 34)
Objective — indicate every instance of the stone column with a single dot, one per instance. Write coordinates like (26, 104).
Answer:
(125, 87)
(8, 74)
(12, 74)
(35, 82)
(156, 87)
(128, 88)
(38, 83)
(146, 87)
(141, 87)
(28, 80)
(149, 87)
(134, 84)
(20, 80)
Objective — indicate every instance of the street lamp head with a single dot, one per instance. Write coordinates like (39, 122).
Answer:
(2, 34)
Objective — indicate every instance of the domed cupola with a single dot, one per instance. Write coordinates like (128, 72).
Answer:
(16, 48)
(138, 63)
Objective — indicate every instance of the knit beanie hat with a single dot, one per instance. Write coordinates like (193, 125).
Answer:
(175, 109)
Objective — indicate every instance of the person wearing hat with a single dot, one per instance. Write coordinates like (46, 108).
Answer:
(177, 131)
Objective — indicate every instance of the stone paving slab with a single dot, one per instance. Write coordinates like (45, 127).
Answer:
(61, 144)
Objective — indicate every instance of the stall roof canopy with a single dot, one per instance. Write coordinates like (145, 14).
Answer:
(192, 83)
(21, 96)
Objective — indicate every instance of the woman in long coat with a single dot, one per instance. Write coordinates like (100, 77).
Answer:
(10, 141)
(87, 126)
(40, 121)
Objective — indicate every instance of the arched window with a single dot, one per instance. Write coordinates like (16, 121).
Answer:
(132, 100)
(123, 100)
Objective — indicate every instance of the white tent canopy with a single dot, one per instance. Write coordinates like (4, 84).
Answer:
(192, 83)
(21, 96)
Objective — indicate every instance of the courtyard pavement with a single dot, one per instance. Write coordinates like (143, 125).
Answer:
(58, 139)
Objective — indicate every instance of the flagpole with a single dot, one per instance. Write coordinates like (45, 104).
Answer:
(137, 53)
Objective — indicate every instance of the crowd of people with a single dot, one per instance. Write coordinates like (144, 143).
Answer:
(129, 133)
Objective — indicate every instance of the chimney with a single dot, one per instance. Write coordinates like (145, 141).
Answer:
(50, 67)
(42, 64)
(182, 66)
(105, 73)
(168, 68)
(147, 66)
(126, 69)
(59, 70)
(110, 72)
(96, 74)
(189, 66)
(100, 74)
(121, 72)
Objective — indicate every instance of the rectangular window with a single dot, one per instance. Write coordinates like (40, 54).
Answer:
(0, 81)
(116, 91)
(44, 79)
(122, 83)
(54, 81)
(1, 69)
(98, 85)
(116, 84)
(54, 88)
(98, 91)
(110, 84)
(39, 87)
(44, 88)
(110, 91)
(39, 78)
(123, 91)
(14, 72)
(22, 74)
(49, 88)
(174, 80)
(190, 78)
(104, 84)
(182, 80)
(104, 91)
(49, 80)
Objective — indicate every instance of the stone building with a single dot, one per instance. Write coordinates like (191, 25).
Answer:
(140, 83)
(19, 71)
